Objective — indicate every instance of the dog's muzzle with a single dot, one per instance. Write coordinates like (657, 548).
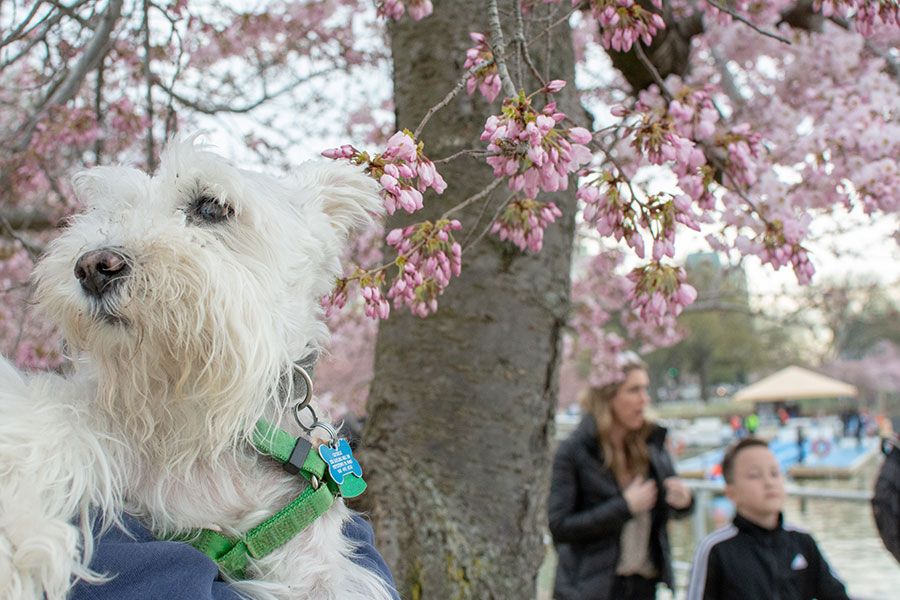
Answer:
(101, 271)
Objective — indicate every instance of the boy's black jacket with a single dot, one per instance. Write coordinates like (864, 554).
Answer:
(747, 562)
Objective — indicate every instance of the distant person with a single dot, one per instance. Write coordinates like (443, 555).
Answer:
(801, 446)
(783, 416)
(758, 556)
(884, 427)
(846, 417)
(613, 490)
(751, 423)
(860, 428)
(737, 426)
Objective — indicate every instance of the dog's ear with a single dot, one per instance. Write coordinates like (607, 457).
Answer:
(348, 196)
(87, 183)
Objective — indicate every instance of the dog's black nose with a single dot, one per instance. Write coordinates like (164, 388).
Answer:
(99, 271)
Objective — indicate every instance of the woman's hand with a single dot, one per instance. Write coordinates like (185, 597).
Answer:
(640, 495)
(678, 495)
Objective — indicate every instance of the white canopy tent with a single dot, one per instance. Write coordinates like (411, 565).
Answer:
(795, 383)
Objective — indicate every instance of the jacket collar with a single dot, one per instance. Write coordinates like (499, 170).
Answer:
(749, 526)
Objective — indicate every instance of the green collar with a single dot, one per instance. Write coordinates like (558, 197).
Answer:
(296, 456)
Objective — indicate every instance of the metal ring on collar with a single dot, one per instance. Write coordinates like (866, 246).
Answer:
(309, 388)
(316, 423)
(330, 430)
(303, 426)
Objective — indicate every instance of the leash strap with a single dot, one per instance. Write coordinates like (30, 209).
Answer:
(296, 456)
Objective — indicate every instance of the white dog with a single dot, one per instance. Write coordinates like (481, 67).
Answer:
(185, 299)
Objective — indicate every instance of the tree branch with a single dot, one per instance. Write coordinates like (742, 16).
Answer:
(737, 16)
(473, 198)
(150, 143)
(554, 25)
(487, 228)
(34, 249)
(98, 112)
(69, 11)
(523, 46)
(450, 95)
(212, 109)
(499, 50)
(19, 31)
(95, 50)
(33, 41)
(455, 155)
(642, 56)
(19, 218)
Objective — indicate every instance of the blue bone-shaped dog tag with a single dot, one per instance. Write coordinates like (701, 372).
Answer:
(340, 461)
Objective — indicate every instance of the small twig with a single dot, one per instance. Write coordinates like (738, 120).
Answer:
(485, 231)
(737, 189)
(639, 49)
(473, 70)
(212, 109)
(509, 88)
(473, 198)
(32, 248)
(69, 11)
(748, 22)
(455, 155)
(523, 46)
(19, 32)
(474, 226)
(33, 220)
(450, 95)
(554, 25)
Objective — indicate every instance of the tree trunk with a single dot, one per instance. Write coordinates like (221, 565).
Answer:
(703, 373)
(458, 440)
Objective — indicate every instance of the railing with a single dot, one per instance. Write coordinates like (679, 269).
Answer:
(704, 491)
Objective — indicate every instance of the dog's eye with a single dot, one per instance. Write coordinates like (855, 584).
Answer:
(206, 209)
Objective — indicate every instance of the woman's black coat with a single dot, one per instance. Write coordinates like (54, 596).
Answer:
(587, 513)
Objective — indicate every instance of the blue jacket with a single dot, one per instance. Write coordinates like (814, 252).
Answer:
(144, 568)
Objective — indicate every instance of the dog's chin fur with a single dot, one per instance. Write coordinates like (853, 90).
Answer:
(173, 368)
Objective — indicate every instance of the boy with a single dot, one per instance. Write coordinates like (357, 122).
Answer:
(758, 556)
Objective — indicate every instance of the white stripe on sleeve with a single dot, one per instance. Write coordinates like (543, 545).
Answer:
(697, 584)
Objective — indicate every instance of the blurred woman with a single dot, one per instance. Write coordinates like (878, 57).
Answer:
(613, 490)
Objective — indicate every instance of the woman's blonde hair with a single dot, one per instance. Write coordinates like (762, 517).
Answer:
(634, 457)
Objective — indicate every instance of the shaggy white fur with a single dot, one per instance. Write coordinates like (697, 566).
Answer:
(186, 344)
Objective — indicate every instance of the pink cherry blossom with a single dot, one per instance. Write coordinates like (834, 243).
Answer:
(486, 79)
(532, 149)
(523, 223)
(394, 9)
(624, 22)
(403, 171)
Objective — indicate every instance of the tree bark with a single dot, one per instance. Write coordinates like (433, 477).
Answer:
(457, 444)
